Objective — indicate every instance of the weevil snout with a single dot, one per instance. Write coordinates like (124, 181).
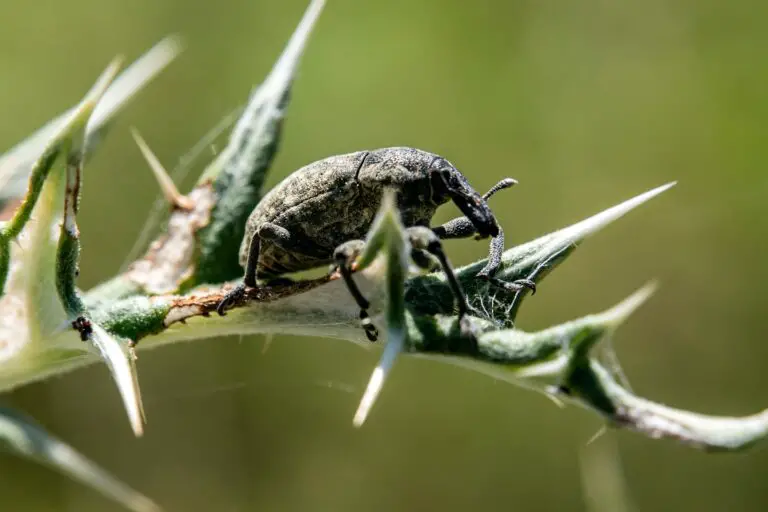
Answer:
(476, 209)
(468, 200)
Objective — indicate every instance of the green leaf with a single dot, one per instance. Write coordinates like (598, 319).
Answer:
(549, 353)
(135, 77)
(559, 362)
(43, 316)
(61, 140)
(239, 172)
(21, 436)
(658, 421)
(387, 235)
(17, 163)
(120, 361)
(430, 294)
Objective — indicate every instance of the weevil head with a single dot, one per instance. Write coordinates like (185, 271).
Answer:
(448, 182)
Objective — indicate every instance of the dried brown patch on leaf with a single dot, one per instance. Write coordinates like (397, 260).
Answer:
(168, 261)
(205, 302)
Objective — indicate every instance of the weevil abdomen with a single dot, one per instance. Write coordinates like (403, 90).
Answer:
(317, 204)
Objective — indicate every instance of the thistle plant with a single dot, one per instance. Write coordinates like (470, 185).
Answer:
(49, 326)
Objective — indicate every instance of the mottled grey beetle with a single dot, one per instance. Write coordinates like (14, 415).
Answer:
(319, 215)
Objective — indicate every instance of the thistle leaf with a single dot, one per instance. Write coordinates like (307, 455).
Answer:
(387, 236)
(17, 163)
(658, 421)
(532, 260)
(119, 359)
(21, 436)
(135, 77)
(238, 173)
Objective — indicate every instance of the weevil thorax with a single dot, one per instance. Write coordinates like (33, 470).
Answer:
(424, 181)
(412, 174)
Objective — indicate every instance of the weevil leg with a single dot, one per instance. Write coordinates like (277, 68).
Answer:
(462, 227)
(424, 239)
(233, 297)
(267, 231)
(345, 255)
(249, 279)
(278, 235)
(282, 238)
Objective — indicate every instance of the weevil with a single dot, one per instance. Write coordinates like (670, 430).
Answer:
(320, 214)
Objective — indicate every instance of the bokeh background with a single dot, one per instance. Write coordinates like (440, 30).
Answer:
(585, 103)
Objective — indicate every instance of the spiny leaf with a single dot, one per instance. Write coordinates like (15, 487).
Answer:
(534, 360)
(388, 236)
(173, 197)
(55, 149)
(21, 436)
(17, 163)
(712, 433)
(40, 311)
(523, 259)
(532, 260)
(240, 170)
(68, 251)
(559, 359)
(128, 84)
(178, 173)
(515, 355)
(119, 359)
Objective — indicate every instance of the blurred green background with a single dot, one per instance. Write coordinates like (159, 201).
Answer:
(586, 103)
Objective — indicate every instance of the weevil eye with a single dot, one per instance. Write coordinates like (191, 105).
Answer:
(448, 175)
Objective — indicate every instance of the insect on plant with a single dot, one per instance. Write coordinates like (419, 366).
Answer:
(320, 214)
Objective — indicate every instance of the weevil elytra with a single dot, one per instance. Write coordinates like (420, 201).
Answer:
(320, 213)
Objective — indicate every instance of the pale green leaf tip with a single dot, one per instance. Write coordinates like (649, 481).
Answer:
(735, 433)
(133, 79)
(120, 363)
(583, 229)
(577, 232)
(550, 246)
(391, 227)
(285, 66)
(275, 86)
(279, 79)
(16, 163)
(389, 214)
(103, 82)
(372, 391)
(608, 321)
(393, 348)
(263, 107)
(171, 193)
(618, 314)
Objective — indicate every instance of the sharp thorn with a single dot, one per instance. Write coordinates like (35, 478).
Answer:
(171, 193)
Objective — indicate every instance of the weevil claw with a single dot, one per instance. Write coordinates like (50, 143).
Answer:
(525, 283)
(231, 298)
(514, 286)
(371, 332)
